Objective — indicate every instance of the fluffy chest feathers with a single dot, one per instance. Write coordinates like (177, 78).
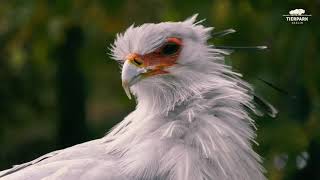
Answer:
(207, 135)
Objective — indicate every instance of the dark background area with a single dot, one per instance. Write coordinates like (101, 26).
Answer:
(59, 87)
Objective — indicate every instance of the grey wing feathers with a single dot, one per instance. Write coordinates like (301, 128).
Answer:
(24, 165)
(82, 161)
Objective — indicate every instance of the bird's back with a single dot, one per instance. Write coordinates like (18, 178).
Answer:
(83, 161)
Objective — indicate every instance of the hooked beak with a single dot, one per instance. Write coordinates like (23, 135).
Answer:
(135, 69)
(131, 74)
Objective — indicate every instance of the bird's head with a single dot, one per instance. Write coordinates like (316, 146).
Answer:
(165, 61)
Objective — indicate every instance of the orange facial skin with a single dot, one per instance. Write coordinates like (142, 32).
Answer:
(157, 59)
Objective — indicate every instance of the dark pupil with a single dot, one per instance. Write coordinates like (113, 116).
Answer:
(170, 48)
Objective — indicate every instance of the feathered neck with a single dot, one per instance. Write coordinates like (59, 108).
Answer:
(195, 119)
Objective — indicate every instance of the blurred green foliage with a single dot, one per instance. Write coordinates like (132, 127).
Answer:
(50, 50)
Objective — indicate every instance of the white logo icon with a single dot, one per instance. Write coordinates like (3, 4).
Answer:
(297, 12)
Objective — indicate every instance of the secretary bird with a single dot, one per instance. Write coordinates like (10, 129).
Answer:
(191, 122)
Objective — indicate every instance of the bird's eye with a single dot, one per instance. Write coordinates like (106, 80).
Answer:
(170, 48)
(137, 62)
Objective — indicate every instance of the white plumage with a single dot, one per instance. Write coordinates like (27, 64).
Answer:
(190, 123)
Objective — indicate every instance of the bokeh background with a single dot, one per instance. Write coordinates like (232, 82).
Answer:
(59, 87)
